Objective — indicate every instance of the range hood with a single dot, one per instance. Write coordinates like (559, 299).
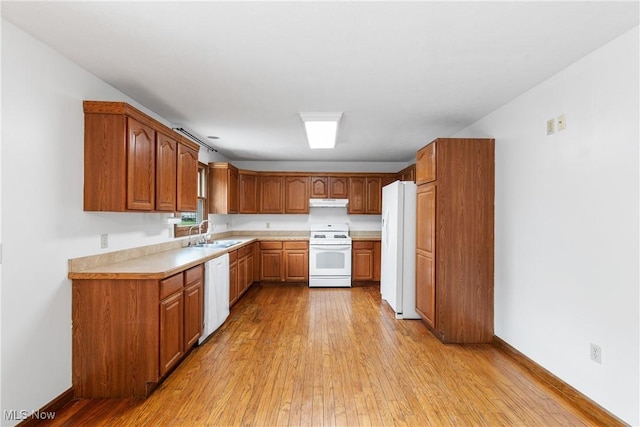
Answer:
(328, 203)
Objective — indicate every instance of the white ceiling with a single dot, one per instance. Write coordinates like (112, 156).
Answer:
(403, 73)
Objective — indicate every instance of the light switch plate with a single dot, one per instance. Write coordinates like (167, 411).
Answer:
(562, 122)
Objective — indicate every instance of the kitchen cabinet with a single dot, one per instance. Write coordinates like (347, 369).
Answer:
(271, 194)
(187, 174)
(245, 269)
(365, 195)
(373, 201)
(296, 195)
(248, 192)
(223, 188)
(166, 173)
(408, 173)
(128, 334)
(193, 305)
(426, 164)
(454, 239)
(131, 161)
(286, 261)
(296, 261)
(329, 187)
(233, 277)
(366, 258)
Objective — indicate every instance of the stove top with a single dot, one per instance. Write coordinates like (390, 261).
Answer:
(329, 234)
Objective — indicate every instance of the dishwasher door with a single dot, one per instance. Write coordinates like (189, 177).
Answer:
(216, 295)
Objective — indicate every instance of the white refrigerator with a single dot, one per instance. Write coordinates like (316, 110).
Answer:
(397, 275)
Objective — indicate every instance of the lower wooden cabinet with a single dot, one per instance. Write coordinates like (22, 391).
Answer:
(241, 271)
(365, 263)
(286, 261)
(127, 334)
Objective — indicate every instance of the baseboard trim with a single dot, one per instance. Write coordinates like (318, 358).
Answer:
(578, 400)
(52, 407)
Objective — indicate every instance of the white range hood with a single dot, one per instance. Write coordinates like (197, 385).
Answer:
(328, 203)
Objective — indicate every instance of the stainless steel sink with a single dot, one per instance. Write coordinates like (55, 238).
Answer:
(218, 244)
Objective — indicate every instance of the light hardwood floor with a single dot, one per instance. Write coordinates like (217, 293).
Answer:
(294, 356)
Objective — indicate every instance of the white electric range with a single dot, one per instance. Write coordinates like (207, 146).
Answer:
(329, 255)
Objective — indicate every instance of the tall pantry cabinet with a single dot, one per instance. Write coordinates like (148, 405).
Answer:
(454, 238)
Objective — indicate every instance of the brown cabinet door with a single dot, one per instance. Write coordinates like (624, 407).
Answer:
(374, 195)
(271, 266)
(338, 187)
(425, 253)
(296, 262)
(363, 261)
(377, 260)
(232, 190)
(187, 179)
(357, 195)
(141, 166)
(193, 305)
(242, 275)
(319, 187)
(250, 270)
(296, 195)
(166, 173)
(171, 331)
(271, 194)
(193, 314)
(248, 193)
(233, 282)
(426, 164)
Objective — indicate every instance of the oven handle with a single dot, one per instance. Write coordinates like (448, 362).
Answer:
(329, 246)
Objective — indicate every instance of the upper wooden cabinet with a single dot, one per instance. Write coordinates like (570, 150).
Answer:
(166, 167)
(187, 179)
(296, 194)
(408, 173)
(131, 161)
(365, 195)
(248, 192)
(454, 239)
(141, 166)
(223, 188)
(329, 187)
(271, 194)
(426, 164)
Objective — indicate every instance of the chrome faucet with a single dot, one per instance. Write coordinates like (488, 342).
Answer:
(191, 228)
(200, 238)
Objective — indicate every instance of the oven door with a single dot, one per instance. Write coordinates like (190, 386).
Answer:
(330, 260)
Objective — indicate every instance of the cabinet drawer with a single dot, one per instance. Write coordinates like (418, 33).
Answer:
(295, 245)
(233, 256)
(245, 251)
(270, 245)
(363, 245)
(193, 274)
(171, 285)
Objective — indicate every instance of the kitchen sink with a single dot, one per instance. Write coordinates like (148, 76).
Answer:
(218, 244)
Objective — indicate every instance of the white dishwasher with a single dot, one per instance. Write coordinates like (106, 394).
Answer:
(216, 294)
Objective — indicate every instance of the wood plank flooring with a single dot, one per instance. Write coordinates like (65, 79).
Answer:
(295, 356)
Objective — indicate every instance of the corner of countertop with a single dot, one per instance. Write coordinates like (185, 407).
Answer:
(99, 260)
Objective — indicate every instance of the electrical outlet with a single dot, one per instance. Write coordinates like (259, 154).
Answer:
(551, 124)
(104, 241)
(268, 225)
(562, 122)
(596, 353)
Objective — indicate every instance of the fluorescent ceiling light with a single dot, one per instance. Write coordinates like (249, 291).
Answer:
(321, 128)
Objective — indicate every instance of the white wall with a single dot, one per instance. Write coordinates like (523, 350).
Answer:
(566, 215)
(43, 222)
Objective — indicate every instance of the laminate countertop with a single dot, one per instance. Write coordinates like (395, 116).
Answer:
(141, 265)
